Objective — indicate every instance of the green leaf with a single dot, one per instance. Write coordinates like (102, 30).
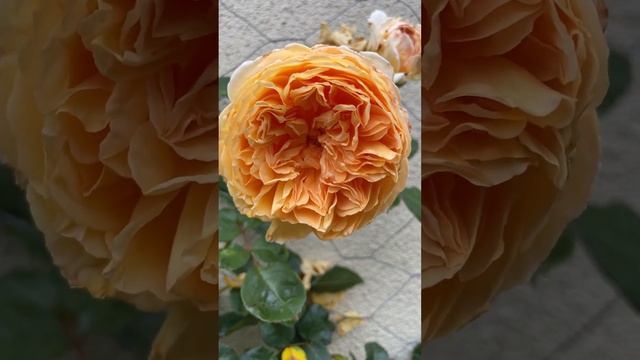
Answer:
(27, 237)
(13, 200)
(289, 323)
(295, 261)
(41, 299)
(414, 147)
(315, 325)
(620, 78)
(224, 195)
(223, 82)
(226, 353)
(31, 334)
(236, 302)
(338, 357)
(316, 351)
(222, 186)
(104, 316)
(417, 352)
(375, 352)
(229, 227)
(31, 328)
(268, 252)
(276, 335)
(560, 252)
(259, 353)
(133, 329)
(273, 293)
(395, 203)
(411, 198)
(612, 237)
(234, 257)
(231, 322)
(258, 226)
(336, 279)
(29, 289)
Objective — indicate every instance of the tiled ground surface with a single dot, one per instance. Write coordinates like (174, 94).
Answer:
(572, 313)
(387, 252)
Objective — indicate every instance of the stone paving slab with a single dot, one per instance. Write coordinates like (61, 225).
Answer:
(531, 321)
(612, 335)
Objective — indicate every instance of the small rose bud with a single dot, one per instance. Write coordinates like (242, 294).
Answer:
(397, 41)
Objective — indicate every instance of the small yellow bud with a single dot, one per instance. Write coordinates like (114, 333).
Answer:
(293, 353)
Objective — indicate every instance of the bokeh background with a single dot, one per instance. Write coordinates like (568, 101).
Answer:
(582, 305)
(41, 318)
(387, 252)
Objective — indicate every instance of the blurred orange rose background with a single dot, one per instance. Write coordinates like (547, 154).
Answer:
(510, 144)
(108, 117)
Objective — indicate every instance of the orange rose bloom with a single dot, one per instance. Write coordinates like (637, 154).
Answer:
(510, 144)
(108, 114)
(314, 139)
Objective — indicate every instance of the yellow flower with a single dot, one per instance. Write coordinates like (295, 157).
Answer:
(293, 353)
(314, 140)
(510, 144)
